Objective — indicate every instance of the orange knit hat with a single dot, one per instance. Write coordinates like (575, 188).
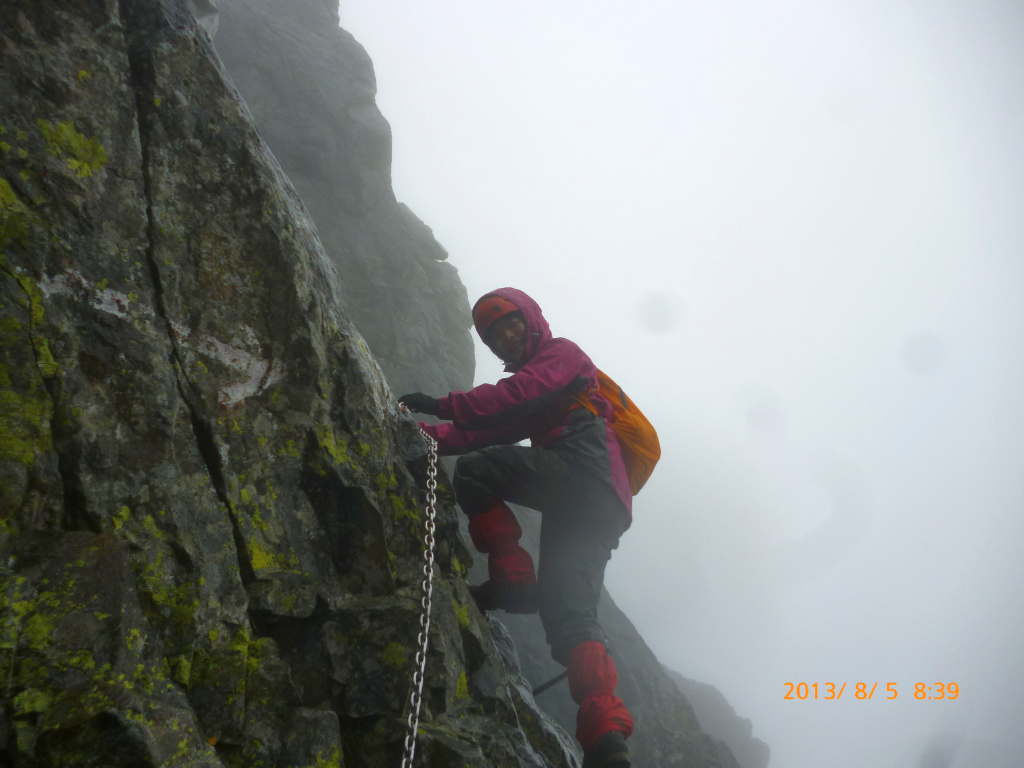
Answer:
(488, 309)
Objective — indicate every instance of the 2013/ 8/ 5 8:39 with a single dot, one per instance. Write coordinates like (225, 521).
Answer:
(805, 691)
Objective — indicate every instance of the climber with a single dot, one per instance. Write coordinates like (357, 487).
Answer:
(573, 473)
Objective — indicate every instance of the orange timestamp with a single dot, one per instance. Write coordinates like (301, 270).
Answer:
(832, 692)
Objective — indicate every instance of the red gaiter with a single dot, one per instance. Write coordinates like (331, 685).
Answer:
(592, 681)
(497, 532)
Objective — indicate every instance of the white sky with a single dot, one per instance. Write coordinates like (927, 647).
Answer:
(794, 233)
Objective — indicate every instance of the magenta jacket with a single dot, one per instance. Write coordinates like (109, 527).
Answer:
(533, 402)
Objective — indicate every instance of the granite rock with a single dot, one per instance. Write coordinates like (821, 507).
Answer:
(311, 89)
(210, 538)
(719, 719)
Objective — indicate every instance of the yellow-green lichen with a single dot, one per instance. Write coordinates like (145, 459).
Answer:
(39, 630)
(121, 518)
(149, 525)
(337, 448)
(462, 686)
(263, 558)
(334, 761)
(32, 700)
(135, 640)
(183, 669)
(394, 656)
(24, 424)
(289, 449)
(461, 613)
(82, 155)
(15, 216)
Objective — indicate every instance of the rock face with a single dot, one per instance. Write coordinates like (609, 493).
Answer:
(209, 535)
(311, 89)
(720, 720)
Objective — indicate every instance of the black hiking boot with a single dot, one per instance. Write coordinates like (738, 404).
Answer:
(512, 598)
(610, 751)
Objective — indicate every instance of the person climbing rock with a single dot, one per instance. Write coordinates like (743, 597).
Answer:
(574, 473)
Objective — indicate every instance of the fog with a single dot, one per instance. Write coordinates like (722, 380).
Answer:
(794, 233)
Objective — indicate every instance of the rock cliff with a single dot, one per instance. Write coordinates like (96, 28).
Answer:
(717, 718)
(209, 517)
(209, 535)
(311, 89)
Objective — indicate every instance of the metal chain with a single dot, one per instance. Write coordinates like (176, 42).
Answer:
(416, 698)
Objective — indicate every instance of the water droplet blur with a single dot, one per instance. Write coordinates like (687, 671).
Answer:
(658, 312)
(766, 417)
(924, 354)
(845, 101)
(941, 750)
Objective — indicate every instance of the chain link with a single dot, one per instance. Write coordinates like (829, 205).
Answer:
(416, 697)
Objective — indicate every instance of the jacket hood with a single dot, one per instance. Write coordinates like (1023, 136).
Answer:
(538, 332)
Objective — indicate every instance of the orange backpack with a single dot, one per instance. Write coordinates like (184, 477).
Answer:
(637, 438)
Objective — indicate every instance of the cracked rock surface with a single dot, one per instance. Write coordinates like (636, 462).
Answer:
(209, 537)
(311, 88)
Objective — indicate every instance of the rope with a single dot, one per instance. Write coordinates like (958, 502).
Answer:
(552, 682)
(416, 697)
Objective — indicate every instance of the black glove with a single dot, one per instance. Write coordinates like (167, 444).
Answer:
(420, 403)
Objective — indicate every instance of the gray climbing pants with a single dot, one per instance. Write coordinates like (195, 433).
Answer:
(582, 521)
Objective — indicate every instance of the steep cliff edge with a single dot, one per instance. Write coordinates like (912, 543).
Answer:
(311, 88)
(209, 537)
(718, 718)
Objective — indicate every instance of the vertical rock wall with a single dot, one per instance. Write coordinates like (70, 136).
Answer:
(311, 89)
(209, 535)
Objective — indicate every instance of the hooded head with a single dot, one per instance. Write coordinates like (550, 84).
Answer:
(510, 300)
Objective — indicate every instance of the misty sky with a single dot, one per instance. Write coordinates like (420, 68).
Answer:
(794, 233)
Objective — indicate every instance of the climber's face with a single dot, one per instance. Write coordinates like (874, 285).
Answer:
(507, 337)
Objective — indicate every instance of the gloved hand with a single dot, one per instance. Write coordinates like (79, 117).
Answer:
(417, 401)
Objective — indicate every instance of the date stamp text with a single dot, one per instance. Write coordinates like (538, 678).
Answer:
(862, 691)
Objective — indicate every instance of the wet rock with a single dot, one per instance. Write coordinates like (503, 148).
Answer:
(720, 720)
(311, 89)
(210, 540)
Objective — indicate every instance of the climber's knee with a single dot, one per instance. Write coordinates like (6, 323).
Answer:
(474, 483)
(496, 531)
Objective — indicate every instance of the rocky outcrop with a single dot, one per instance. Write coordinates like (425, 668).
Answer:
(668, 732)
(311, 89)
(719, 719)
(209, 534)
